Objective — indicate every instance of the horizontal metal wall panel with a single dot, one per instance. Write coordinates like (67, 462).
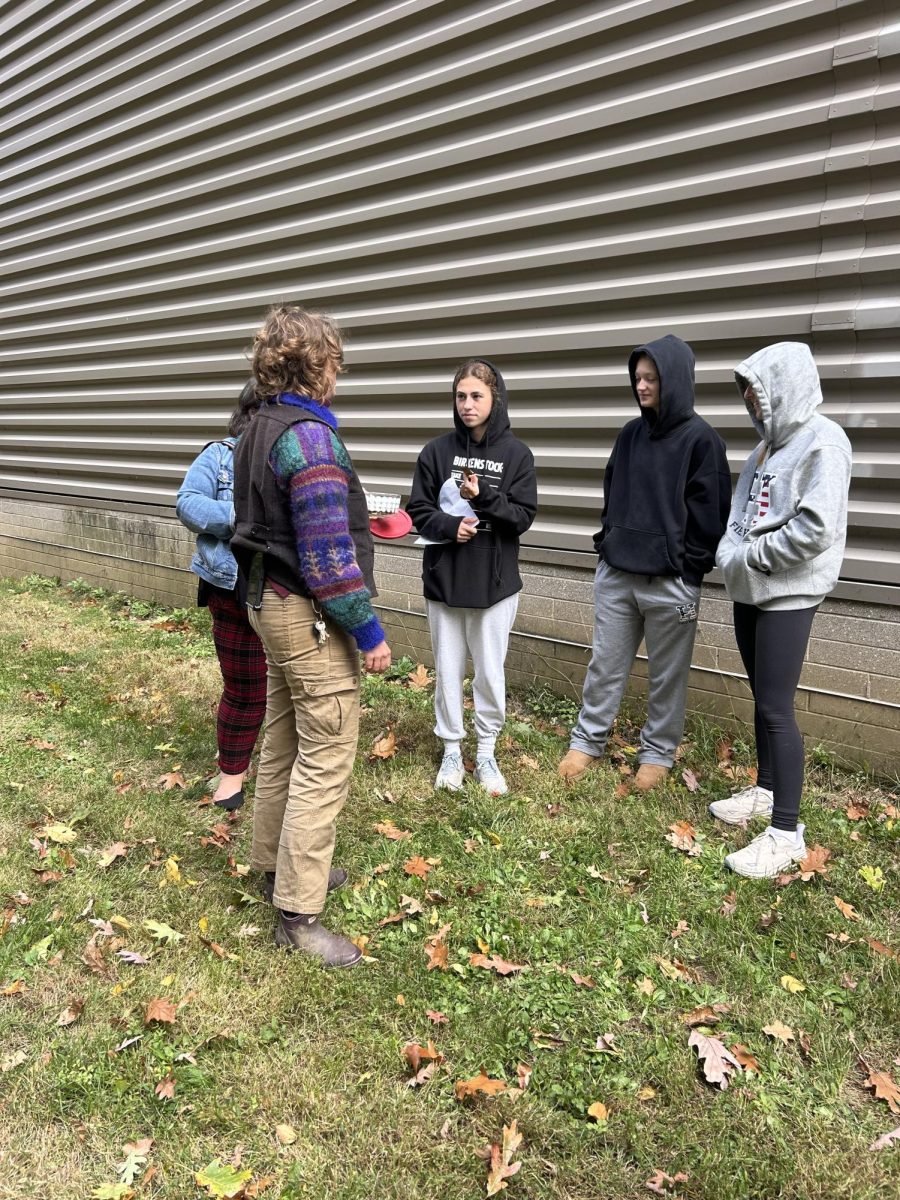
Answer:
(546, 184)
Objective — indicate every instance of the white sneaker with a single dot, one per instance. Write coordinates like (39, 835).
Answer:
(749, 802)
(488, 775)
(767, 855)
(452, 773)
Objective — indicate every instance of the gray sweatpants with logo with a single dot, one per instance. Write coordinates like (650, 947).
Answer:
(661, 609)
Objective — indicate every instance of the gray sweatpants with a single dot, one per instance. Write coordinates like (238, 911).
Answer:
(662, 610)
(483, 633)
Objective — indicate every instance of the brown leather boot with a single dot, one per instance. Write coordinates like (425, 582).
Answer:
(575, 763)
(649, 776)
(337, 877)
(307, 933)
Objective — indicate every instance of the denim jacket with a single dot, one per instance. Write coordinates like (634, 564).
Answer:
(205, 505)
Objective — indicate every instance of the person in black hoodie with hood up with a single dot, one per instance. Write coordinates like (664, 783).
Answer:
(666, 496)
(473, 495)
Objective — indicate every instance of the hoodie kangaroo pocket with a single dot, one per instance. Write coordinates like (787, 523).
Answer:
(637, 551)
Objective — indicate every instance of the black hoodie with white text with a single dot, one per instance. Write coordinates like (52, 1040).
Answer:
(667, 485)
(481, 572)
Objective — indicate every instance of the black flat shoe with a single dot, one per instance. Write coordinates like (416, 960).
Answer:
(230, 803)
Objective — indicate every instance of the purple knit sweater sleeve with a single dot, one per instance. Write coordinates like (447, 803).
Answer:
(313, 468)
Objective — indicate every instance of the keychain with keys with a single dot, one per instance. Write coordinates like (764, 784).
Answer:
(320, 630)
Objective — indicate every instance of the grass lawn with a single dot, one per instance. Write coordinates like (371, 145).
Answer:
(620, 934)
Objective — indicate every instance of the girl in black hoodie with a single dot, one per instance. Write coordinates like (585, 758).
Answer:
(473, 495)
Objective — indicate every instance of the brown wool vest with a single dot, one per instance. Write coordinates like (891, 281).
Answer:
(262, 512)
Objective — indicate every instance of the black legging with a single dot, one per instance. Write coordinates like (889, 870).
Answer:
(773, 646)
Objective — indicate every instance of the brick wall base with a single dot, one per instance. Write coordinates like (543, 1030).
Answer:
(849, 697)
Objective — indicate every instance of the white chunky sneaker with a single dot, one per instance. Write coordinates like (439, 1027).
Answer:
(749, 802)
(452, 773)
(488, 775)
(767, 855)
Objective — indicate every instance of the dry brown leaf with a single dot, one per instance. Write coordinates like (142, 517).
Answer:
(160, 1010)
(285, 1134)
(784, 1033)
(729, 904)
(172, 779)
(646, 986)
(523, 1074)
(691, 782)
(411, 906)
(495, 963)
(111, 853)
(662, 1184)
(706, 1014)
(815, 863)
(438, 1018)
(846, 910)
(384, 747)
(16, 988)
(583, 980)
(885, 1089)
(389, 830)
(724, 752)
(682, 837)
(598, 1111)
(418, 679)
(165, 1089)
(622, 790)
(886, 1139)
(501, 1167)
(881, 948)
(680, 929)
(479, 1083)
(718, 1063)
(70, 1013)
(857, 810)
(417, 866)
(672, 970)
(531, 763)
(392, 919)
(94, 958)
(745, 1057)
(417, 1056)
(437, 953)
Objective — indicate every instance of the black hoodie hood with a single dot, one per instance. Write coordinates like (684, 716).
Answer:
(674, 361)
(498, 421)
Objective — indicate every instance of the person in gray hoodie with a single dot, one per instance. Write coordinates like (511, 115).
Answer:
(780, 556)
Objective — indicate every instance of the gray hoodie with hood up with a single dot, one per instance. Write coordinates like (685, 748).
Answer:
(784, 544)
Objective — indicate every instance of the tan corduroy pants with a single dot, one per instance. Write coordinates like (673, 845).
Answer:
(312, 725)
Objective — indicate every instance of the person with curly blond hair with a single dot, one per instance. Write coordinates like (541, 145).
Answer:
(306, 556)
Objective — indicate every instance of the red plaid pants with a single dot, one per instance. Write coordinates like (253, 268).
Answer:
(242, 661)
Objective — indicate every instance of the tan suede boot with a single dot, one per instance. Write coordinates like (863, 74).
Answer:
(575, 763)
(649, 776)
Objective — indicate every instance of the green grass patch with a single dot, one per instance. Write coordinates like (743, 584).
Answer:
(619, 934)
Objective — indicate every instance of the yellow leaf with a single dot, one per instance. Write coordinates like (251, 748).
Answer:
(483, 946)
(401, 999)
(647, 1093)
(598, 1111)
(167, 980)
(120, 922)
(791, 984)
(286, 1134)
(203, 924)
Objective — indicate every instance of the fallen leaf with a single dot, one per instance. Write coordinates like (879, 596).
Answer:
(495, 963)
(418, 1058)
(389, 830)
(606, 1044)
(691, 782)
(132, 1041)
(724, 752)
(417, 866)
(857, 810)
(173, 779)
(222, 1179)
(729, 904)
(160, 1010)
(418, 679)
(16, 988)
(885, 1089)
(94, 958)
(60, 833)
(411, 906)
(479, 1083)
(162, 932)
(873, 876)
(681, 928)
(598, 1111)
(777, 1030)
(672, 970)
(438, 1018)
(646, 1093)
(286, 1134)
(745, 1058)
(133, 958)
(792, 984)
(662, 1184)
(111, 853)
(815, 863)
(531, 763)
(646, 986)
(12, 1060)
(846, 910)
(165, 1089)
(501, 1165)
(437, 953)
(583, 980)
(718, 1063)
(682, 837)
(706, 1014)
(886, 1139)
(70, 1013)
(523, 1074)
(384, 747)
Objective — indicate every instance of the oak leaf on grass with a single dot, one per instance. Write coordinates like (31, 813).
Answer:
(417, 866)
(161, 1010)
(815, 863)
(495, 963)
(479, 1084)
(419, 678)
(172, 779)
(691, 782)
(423, 1061)
(385, 746)
(438, 954)
(846, 910)
(793, 985)
(222, 1180)
(165, 1089)
(111, 853)
(718, 1063)
(706, 1014)
(885, 1089)
(782, 1032)
(389, 830)
(500, 1159)
(71, 1012)
(745, 1058)
(662, 1183)
(886, 1139)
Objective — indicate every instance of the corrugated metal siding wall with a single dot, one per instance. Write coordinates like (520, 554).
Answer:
(544, 183)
